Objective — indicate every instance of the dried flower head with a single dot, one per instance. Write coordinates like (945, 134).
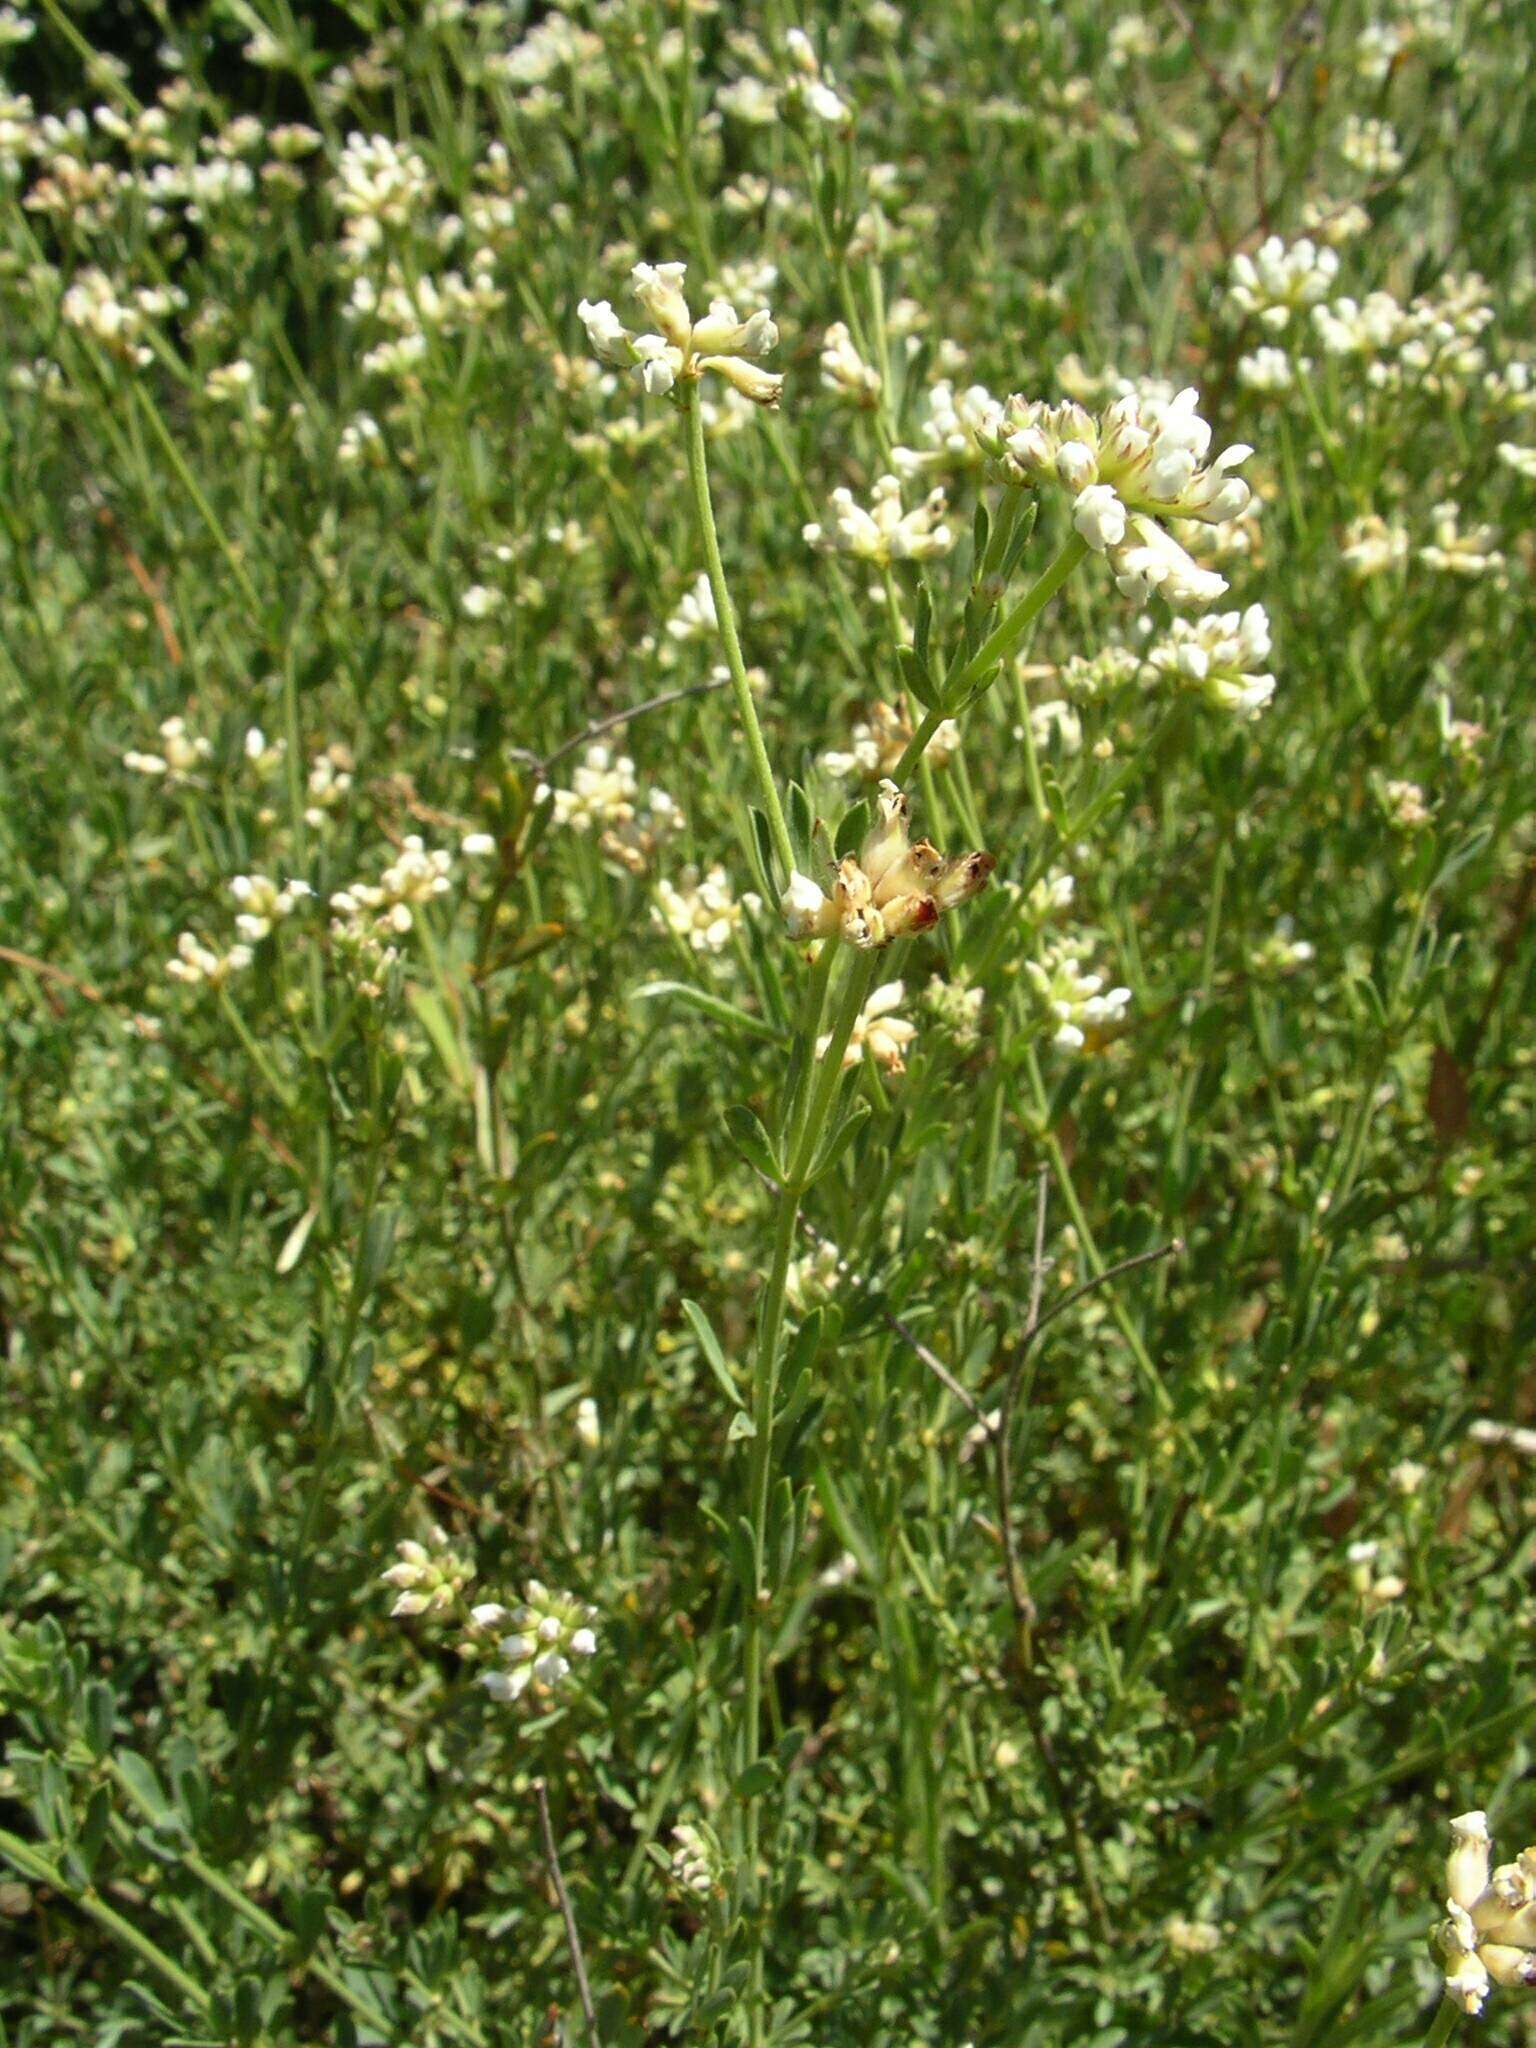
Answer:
(891, 888)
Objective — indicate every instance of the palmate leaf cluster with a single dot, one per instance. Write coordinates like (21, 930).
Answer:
(290, 1271)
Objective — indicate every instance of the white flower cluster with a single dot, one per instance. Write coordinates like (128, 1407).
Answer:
(1268, 371)
(1425, 26)
(117, 319)
(327, 784)
(680, 346)
(361, 443)
(890, 889)
(1358, 327)
(1372, 545)
(1280, 279)
(702, 912)
(1077, 1001)
(548, 1630)
(1463, 737)
(414, 307)
(845, 371)
(1188, 1937)
(697, 1863)
(695, 617)
(1469, 552)
(1404, 806)
(180, 753)
(602, 792)
(1335, 221)
(380, 184)
(878, 1033)
(1370, 1573)
(1371, 147)
(263, 903)
(197, 964)
(884, 533)
(877, 743)
(1281, 953)
(604, 797)
(810, 85)
(814, 1277)
(263, 756)
(805, 89)
(956, 1006)
(1087, 677)
(1054, 891)
(428, 1578)
(552, 45)
(1489, 1935)
(1219, 656)
(1139, 463)
(957, 434)
(1431, 345)
(414, 877)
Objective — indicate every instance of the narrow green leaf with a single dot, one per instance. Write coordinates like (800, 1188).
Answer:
(707, 1004)
(752, 1141)
(714, 1357)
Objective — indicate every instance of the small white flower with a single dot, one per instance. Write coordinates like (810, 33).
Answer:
(1277, 281)
(1372, 546)
(884, 533)
(844, 370)
(1099, 517)
(550, 1629)
(1073, 1000)
(878, 1034)
(1220, 656)
(1470, 552)
(1267, 370)
(428, 1577)
(802, 905)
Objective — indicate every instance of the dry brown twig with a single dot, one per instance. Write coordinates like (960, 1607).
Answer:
(567, 1912)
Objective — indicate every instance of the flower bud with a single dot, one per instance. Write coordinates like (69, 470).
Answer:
(658, 287)
(1466, 1869)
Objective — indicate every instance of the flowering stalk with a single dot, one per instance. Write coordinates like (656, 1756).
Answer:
(741, 689)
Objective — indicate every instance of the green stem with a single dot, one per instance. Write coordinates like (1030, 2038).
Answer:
(89, 1900)
(746, 710)
(1091, 1256)
(1000, 644)
(195, 492)
(820, 1099)
(1445, 2022)
(257, 1056)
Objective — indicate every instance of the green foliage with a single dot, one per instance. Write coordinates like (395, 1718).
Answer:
(476, 1219)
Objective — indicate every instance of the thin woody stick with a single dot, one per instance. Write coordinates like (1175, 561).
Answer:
(572, 1934)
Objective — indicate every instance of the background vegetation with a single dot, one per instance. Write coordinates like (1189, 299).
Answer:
(298, 1262)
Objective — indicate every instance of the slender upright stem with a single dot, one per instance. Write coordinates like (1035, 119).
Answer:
(1091, 1255)
(804, 1141)
(199, 497)
(746, 710)
(1003, 642)
(1445, 2022)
